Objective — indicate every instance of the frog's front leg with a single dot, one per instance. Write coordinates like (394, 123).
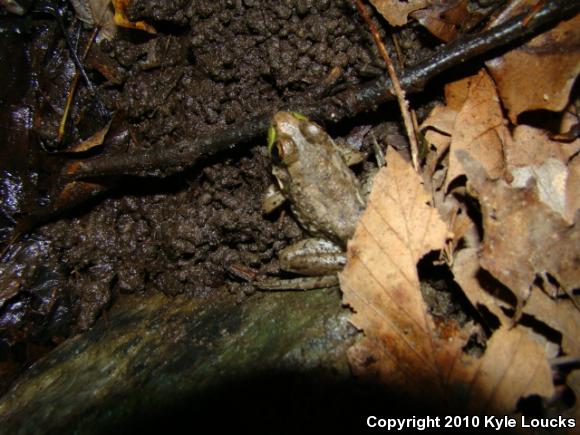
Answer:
(273, 198)
(320, 259)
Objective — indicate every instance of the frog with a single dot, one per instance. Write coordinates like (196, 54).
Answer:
(312, 173)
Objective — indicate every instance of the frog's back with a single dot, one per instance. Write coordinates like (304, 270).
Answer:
(325, 195)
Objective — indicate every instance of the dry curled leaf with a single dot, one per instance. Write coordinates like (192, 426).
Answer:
(554, 165)
(471, 120)
(541, 73)
(96, 13)
(523, 236)
(479, 129)
(573, 189)
(380, 280)
(396, 12)
(446, 18)
(94, 141)
(532, 146)
(513, 366)
(121, 19)
(100, 13)
(560, 314)
(403, 345)
(550, 178)
(467, 273)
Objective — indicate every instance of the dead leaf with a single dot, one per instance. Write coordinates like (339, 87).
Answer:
(550, 179)
(440, 124)
(479, 129)
(446, 18)
(532, 146)
(465, 271)
(513, 366)
(457, 92)
(435, 130)
(99, 13)
(396, 12)
(541, 73)
(380, 280)
(403, 346)
(94, 141)
(522, 236)
(573, 189)
(471, 120)
(441, 119)
(533, 154)
(96, 13)
(560, 314)
(121, 19)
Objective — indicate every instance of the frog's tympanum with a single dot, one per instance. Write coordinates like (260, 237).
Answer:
(312, 174)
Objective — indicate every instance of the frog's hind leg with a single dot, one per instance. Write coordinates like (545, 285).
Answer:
(320, 259)
(304, 283)
(312, 257)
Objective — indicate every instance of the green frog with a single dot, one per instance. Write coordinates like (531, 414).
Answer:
(312, 173)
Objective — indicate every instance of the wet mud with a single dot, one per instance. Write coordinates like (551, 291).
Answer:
(211, 64)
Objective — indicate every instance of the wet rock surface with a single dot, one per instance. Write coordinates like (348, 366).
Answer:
(160, 362)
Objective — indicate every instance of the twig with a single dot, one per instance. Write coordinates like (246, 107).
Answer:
(72, 89)
(399, 92)
(346, 104)
(397, 47)
(58, 14)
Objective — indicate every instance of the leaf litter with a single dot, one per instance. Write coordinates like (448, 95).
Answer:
(515, 259)
(107, 15)
(498, 199)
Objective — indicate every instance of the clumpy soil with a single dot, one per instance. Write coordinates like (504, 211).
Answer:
(211, 64)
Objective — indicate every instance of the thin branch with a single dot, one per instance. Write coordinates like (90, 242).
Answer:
(333, 109)
(399, 92)
(72, 89)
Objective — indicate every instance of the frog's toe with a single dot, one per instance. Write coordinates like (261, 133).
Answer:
(273, 198)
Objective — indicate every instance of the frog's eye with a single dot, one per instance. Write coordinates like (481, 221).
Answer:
(275, 148)
(299, 116)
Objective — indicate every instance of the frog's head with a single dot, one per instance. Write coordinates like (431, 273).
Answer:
(291, 137)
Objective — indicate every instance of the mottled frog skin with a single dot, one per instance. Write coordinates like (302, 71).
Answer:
(324, 194)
